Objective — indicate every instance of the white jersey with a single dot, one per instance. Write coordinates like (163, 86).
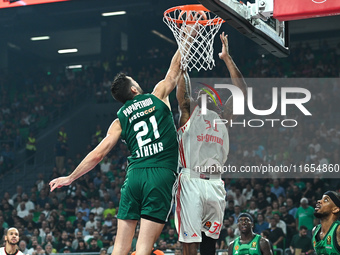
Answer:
(200, 200)
(202, 142)
(3, 252)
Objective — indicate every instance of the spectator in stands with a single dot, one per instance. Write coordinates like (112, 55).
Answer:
(269, 195)
(93, 246)
(261, 224)
(81, 229)
(262, 203)
(305, 216)
(42, 200)
(301, 243)
(240, 198)
(30, 149)
(106, 236)
(290, 207)
(279, 223)
(84, 209)
(230, 210)
(110, 249)
(70, 206)
(79, 219)
(236, 213)
(70, 229)
(33, 246)
(28, 203)
(110, 210)
(105, 165)
(230, 237)
(97, 210)
(277, 189)
(81, 247)
(75, 242)
(62, 241)
(290, 223)
(22, 212)
(276, 234)
(248, 192)
(171, 239)
(91, 223)
(23, 247)
(252, 209)
(296, 195)
(49, 249)
(60, 151)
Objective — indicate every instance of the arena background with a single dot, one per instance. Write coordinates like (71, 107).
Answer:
(40, 94)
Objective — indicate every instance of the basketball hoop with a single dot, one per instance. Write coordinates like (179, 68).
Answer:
(194, 28)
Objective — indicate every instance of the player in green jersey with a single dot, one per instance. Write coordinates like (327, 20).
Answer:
(248, 243)
(326, 235)
(145, 123)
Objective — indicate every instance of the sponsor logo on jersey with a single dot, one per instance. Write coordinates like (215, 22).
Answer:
(207, 225)
(329, 239)
(142, 113)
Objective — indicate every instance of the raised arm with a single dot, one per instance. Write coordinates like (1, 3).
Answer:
(165, 86)
(93, 158)
(236, 77)
(184, 98)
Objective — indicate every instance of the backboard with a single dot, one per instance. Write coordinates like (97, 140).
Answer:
(254, 21)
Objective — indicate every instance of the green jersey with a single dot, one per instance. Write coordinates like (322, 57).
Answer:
(251, 248)
(328, 245)
(149, 132)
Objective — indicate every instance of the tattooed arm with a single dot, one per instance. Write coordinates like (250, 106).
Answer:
(184, 98)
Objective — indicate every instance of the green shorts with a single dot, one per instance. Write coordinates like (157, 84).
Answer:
(147, 193)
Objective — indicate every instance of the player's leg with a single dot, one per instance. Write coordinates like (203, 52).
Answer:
(208, 245)
(213, 216)
(189, 209)
(190, 248)
(156, 205)
(148, 233)
(128, 214)
(125, 233)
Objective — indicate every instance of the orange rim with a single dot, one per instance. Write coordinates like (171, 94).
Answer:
(191, 7)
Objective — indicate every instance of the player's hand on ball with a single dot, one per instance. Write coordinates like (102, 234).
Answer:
(59, 182)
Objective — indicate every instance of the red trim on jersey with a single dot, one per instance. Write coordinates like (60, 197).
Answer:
(178, 207)
(17, 251)
(181, 153)
(187, 120)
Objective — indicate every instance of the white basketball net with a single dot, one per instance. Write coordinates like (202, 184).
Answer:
(195, 41)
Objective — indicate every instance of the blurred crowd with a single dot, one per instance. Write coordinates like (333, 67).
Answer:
(82, 216)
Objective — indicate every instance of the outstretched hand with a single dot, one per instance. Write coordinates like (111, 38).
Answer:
(59, 182)
(225, 47)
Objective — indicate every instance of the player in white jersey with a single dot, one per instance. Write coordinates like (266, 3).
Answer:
(203, 148)
(12, 240)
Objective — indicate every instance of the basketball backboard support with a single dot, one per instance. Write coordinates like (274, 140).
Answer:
(255, 22)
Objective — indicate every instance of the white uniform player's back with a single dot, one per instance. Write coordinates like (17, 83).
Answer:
(201, 143)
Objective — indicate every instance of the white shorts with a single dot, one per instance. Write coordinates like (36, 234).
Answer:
(200, 206)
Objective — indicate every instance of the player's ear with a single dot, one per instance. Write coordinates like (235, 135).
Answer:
(133, 89)
(336, 210)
